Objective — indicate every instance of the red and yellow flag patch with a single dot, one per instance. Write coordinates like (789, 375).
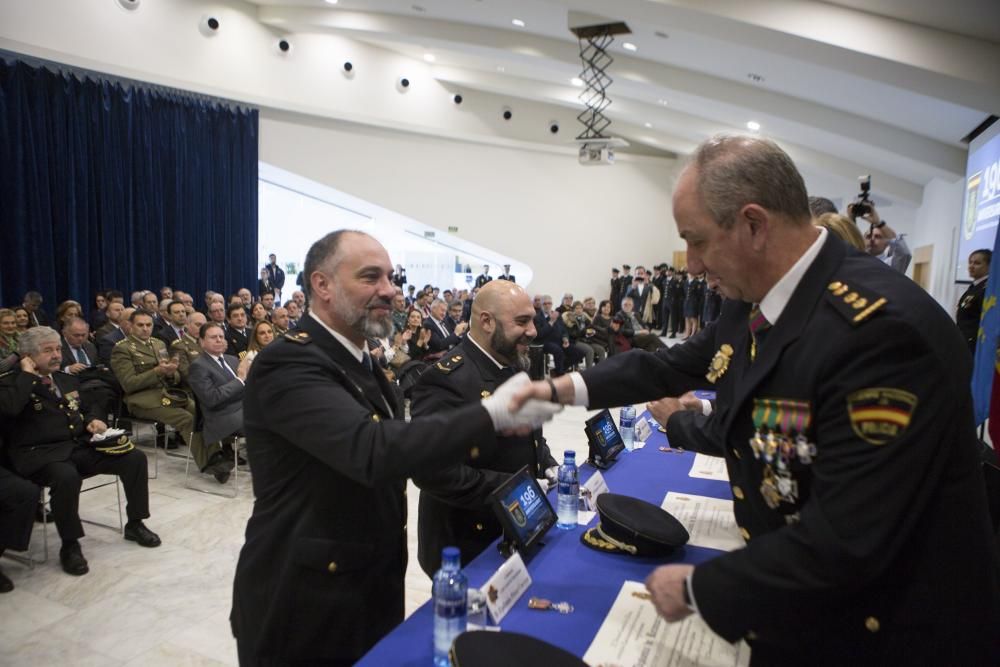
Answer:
(880, 414)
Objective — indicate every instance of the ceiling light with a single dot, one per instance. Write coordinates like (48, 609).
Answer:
(753, 125)
(648, 125)
(518, 22)
(663, 102)
(501, 68)
(332, 2)
(629, 46)
(576, 81)
(429, 57)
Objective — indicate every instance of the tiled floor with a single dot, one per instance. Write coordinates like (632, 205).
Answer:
(163, 606)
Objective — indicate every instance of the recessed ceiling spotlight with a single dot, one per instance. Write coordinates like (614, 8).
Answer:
(576, 81)
(663, 102)
(661, 34)
(500, 68)
(429, 57)
(753, 125)
(518, 22)
(648, 125)
(629, 46)
(332, 2)
(756, 78)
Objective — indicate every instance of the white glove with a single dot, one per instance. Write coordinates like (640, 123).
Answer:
(534, 413)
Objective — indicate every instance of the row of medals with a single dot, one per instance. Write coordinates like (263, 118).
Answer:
(778, 450)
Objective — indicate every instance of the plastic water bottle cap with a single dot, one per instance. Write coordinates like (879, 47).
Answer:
(570, 454)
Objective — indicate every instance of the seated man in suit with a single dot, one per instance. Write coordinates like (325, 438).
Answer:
(442, 339)
(217, 380)
(454, 317)
(119, 331)
(145, 370)
(237, 332)
(112, 318)
(279, 318)
(173, 328)
(551, 333)
(186, 348)
(453, 500)
(48, 426)
(18, 500)
(33, 304)
(98, 385)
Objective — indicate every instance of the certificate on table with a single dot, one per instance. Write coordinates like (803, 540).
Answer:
(634, 635)
(709, 521)
(709, 467)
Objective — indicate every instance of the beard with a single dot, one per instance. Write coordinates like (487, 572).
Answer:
(364, 320)
(507, 349)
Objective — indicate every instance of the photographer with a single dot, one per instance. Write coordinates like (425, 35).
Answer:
(881, 240)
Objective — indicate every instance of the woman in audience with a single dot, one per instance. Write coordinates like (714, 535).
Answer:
(8, 340)
(260, 337)
(99, 314)
(258, 313)
(601, 324)
(843, 227)
(415, 335)
(22, 319)
(66, 311)
(694, 300)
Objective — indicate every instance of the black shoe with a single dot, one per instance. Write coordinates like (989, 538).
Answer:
(6, 585)
(72, 560)
(170, 443)
(137, 532)
(227, 450)
(673, 335)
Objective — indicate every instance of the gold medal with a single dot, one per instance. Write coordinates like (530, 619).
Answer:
(720, 363)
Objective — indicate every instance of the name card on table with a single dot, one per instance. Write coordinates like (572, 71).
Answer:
(506, 587)
(643, 430)
(591, 489)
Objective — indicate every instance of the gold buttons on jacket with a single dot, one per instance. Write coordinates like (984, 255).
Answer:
(474, 453)
(736, 453)
(376, 418)
(745, 533)
(872, 624)
(738, 493)
(751, 635)
(332, 567)
(479, 526)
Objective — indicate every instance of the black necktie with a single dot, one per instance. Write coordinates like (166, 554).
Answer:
(366, 361)
(225, 366)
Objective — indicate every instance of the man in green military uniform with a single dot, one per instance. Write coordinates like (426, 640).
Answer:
(145, 370)
(186, 348)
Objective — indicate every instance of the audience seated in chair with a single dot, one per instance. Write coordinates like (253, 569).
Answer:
(47, 426)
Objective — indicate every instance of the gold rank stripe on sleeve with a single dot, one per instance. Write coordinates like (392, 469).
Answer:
(854, 303)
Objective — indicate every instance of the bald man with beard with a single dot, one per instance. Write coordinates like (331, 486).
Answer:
(453, 501)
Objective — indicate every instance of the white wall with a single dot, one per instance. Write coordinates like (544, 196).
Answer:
(936, 222)
(570, 223)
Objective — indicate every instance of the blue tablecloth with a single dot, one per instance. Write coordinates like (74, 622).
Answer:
(564, 569)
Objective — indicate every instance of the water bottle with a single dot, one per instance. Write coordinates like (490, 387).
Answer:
(450, 590)
(568, 493)
(626, 422)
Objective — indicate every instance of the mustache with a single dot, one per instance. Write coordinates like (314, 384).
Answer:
(379, 303)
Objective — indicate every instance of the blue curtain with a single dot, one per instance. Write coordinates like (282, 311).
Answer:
(110, 186)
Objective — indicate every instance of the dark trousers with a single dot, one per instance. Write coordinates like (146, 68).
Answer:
(664, 324)
(18, 500)
(558, 356)
(65, 478)
(676, 317)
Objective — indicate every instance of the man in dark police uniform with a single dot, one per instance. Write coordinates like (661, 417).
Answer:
(320, 578)
(453, 501)
(855, 478)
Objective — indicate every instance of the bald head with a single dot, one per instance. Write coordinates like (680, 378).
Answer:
(503, 322)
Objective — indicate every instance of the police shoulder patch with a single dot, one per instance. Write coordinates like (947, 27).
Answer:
(297, 336)
(449, 363)
(856, 304)
(879, 415)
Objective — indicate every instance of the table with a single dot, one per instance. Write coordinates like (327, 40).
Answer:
(564, 569)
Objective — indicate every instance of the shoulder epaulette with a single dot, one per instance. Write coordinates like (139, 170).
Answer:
(6, 373)
(450, 363)
(856, 304)
(297, 336)
(123, 340)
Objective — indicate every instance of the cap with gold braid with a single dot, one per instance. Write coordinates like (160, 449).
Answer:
(634, 527)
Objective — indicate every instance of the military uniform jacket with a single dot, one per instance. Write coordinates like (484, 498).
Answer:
(880, 553)
(453, 501)
(320, 576)
(237, 340)
(186, 349)
(134, 363)
(40, 426)
(970, 307)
